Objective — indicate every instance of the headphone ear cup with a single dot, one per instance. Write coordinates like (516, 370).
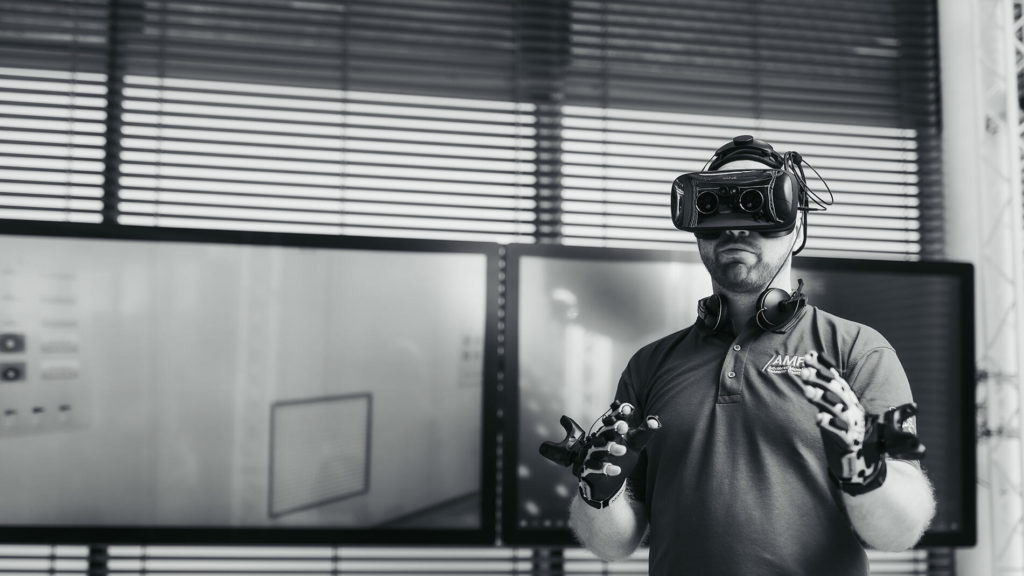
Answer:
(775, 307)
(712, 311)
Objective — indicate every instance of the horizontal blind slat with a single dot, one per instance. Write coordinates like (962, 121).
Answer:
(53, 109)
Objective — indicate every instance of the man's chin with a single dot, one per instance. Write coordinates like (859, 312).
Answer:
(738, 279)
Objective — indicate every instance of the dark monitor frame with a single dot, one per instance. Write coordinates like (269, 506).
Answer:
(963, 272)
(485, 534)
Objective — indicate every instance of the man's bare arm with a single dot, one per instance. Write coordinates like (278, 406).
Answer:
(612, 533)
(895, 515)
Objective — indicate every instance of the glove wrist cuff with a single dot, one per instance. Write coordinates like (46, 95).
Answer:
(868, 484)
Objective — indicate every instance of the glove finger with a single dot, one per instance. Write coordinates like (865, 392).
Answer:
(623, 412)
(618, 413)
(606, 469)
(832, 391)
(612, 431)
(841, 401)
(612, 447)
(838, 433)
(841, 389)
(638, 438)
(822, 400)
(607, 435)
(820, 364)
(596, 458)
(812, 377)
(598, 462)
(610, 415)
(825, 404)
(819, 372)
(835, 422)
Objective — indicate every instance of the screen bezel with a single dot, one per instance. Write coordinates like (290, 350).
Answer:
(511, 533)
(484, 534)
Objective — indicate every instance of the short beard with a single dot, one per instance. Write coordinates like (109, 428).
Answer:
(742, 279)
(739, 278)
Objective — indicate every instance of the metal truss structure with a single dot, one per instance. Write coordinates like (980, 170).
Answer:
(999, 226)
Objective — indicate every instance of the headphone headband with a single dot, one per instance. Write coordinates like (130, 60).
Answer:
(746, 147)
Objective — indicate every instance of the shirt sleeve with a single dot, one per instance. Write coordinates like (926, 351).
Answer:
(878, 378)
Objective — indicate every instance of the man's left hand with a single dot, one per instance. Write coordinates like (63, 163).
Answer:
(855, 441)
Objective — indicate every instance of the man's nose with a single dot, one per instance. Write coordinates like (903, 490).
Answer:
(738, 233)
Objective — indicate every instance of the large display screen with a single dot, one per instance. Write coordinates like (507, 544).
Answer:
(165, 391)
(576, 315)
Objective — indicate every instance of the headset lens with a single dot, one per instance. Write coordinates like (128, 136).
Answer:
(707, 203)
(751, 200)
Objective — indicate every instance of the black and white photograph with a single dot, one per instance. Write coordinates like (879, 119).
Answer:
(512, 287)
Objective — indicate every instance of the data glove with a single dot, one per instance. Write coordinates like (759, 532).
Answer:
(604, 458)
(856, 442)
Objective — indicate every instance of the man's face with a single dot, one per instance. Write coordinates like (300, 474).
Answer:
(744, 262)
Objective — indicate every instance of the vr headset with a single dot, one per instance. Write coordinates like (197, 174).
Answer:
(710, 202)
(766, 201)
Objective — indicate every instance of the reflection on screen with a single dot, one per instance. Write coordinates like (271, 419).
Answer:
(581, 320)
(196, 385)
(309, 467)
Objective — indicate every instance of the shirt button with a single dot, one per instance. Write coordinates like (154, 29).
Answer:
(731, 374)
(736, 347)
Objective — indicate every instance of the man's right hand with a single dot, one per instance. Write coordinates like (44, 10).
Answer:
(604, 459)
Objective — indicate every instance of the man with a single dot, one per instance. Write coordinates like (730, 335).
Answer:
(740, 473)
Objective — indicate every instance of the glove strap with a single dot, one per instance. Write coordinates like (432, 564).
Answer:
(599, 504)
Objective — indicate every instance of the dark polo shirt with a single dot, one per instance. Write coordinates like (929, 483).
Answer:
(736, 483)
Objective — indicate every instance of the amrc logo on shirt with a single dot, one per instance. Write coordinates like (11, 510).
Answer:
(783, 363)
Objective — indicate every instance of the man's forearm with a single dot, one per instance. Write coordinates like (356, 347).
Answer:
(894, 516)
(612, 533)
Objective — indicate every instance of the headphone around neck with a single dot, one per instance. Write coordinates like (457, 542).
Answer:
(776, 309)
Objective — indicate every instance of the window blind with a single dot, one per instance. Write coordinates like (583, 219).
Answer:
(53, 87)
(511, 122)
(214, 560)
(654, 87)
(44, 559)
(359, 118)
